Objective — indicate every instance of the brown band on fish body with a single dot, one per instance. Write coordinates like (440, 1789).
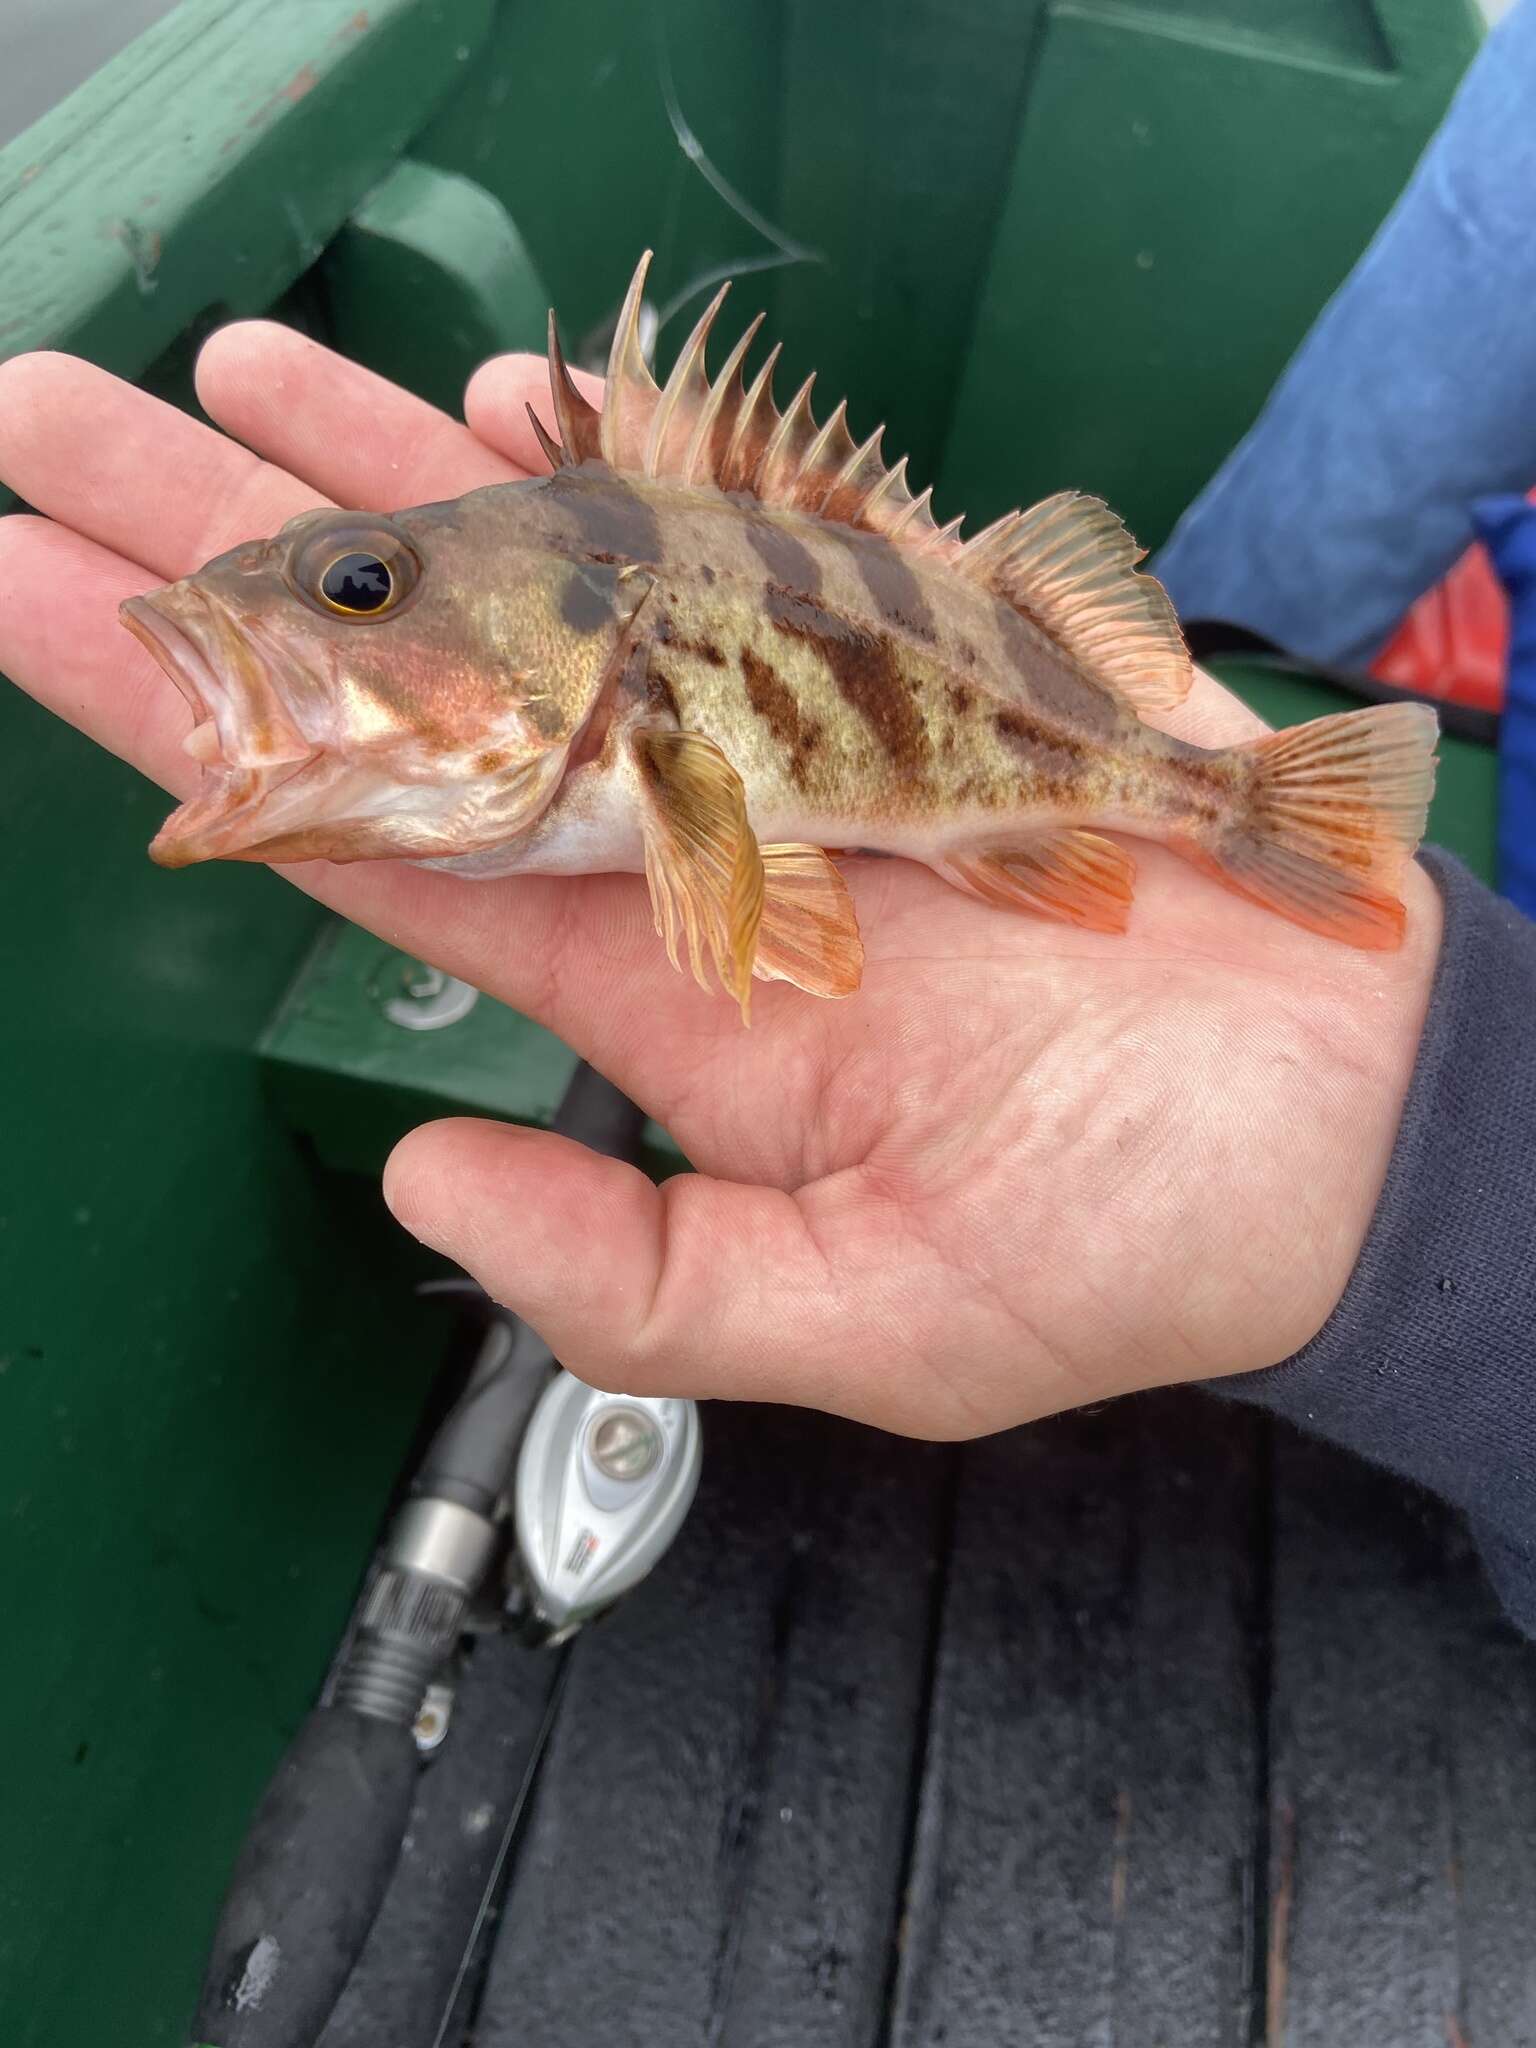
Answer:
(788, 561)
(961, 698)
(611, 522)
(1204, 780)
(776, 704)
(667, 635)
(659, 694)
(868, 675)
(1053, 757)
(893, 585)
(702, 650)
(1198, 766)
(1056, 685)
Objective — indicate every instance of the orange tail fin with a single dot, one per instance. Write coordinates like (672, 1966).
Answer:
(1335, 811)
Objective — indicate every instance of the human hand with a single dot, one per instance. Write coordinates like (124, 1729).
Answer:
(1025, 1167)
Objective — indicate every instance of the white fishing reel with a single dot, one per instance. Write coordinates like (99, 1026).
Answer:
(602, 1486)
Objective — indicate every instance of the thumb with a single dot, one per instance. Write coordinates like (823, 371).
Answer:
(698, 1287)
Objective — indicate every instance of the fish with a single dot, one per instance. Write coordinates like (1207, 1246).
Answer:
(726, 646)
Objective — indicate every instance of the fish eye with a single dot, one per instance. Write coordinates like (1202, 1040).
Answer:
(358, 583)
(356, 569)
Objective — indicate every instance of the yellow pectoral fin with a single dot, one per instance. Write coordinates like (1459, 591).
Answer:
(702, 860)
(809, 934)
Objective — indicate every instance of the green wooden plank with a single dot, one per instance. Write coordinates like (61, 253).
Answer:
(1190, 184)
(210, 1367)
(427, 279)
(210, 163)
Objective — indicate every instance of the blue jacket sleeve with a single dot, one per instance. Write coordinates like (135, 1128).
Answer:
(1428, 1364)
(1413, 395)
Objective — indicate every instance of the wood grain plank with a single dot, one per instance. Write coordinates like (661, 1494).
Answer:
(1083, 1875)
(1403, 1881)
(717, 1841)
(209, 163)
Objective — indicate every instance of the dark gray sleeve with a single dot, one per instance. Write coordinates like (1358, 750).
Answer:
(1428, 1364)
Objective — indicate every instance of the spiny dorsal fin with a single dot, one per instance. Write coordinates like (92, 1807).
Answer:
(1067, 564)
(726, 432)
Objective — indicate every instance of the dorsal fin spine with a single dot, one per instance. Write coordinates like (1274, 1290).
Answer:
(728, 384)
(732, 477)
(630, 393)
(579, 422)
(914, 511)
(895, 479)
(554, 452)
(813, 500)
(688, 378)
(782, 460)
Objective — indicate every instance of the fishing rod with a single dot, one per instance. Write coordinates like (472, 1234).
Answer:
(539, 1503)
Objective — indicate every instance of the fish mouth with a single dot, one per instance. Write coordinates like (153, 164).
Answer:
(241, 736)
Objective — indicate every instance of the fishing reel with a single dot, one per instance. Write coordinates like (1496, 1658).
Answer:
(540, 1503)
(603, 1484)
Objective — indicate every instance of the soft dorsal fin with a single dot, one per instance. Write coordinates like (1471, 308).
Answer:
(1067, 564)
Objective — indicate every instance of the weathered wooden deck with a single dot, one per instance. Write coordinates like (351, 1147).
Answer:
(1154, 1728)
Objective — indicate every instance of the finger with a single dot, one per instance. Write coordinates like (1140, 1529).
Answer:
(130, 471)
(349, 433)
(75, 658)
(497, 400)
(705, 1288)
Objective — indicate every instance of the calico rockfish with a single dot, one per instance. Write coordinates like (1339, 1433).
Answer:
(721, 644)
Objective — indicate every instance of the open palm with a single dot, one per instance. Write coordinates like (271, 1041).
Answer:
(1024, 1167)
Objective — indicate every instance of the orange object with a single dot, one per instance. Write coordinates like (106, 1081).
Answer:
(1454, 643)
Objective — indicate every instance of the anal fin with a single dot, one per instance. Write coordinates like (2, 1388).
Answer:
(809, 933)
(1060, 873)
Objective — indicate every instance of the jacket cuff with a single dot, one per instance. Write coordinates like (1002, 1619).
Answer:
(1428, 1364)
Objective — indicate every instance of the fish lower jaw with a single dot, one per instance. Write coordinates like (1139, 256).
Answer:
(229, 817)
